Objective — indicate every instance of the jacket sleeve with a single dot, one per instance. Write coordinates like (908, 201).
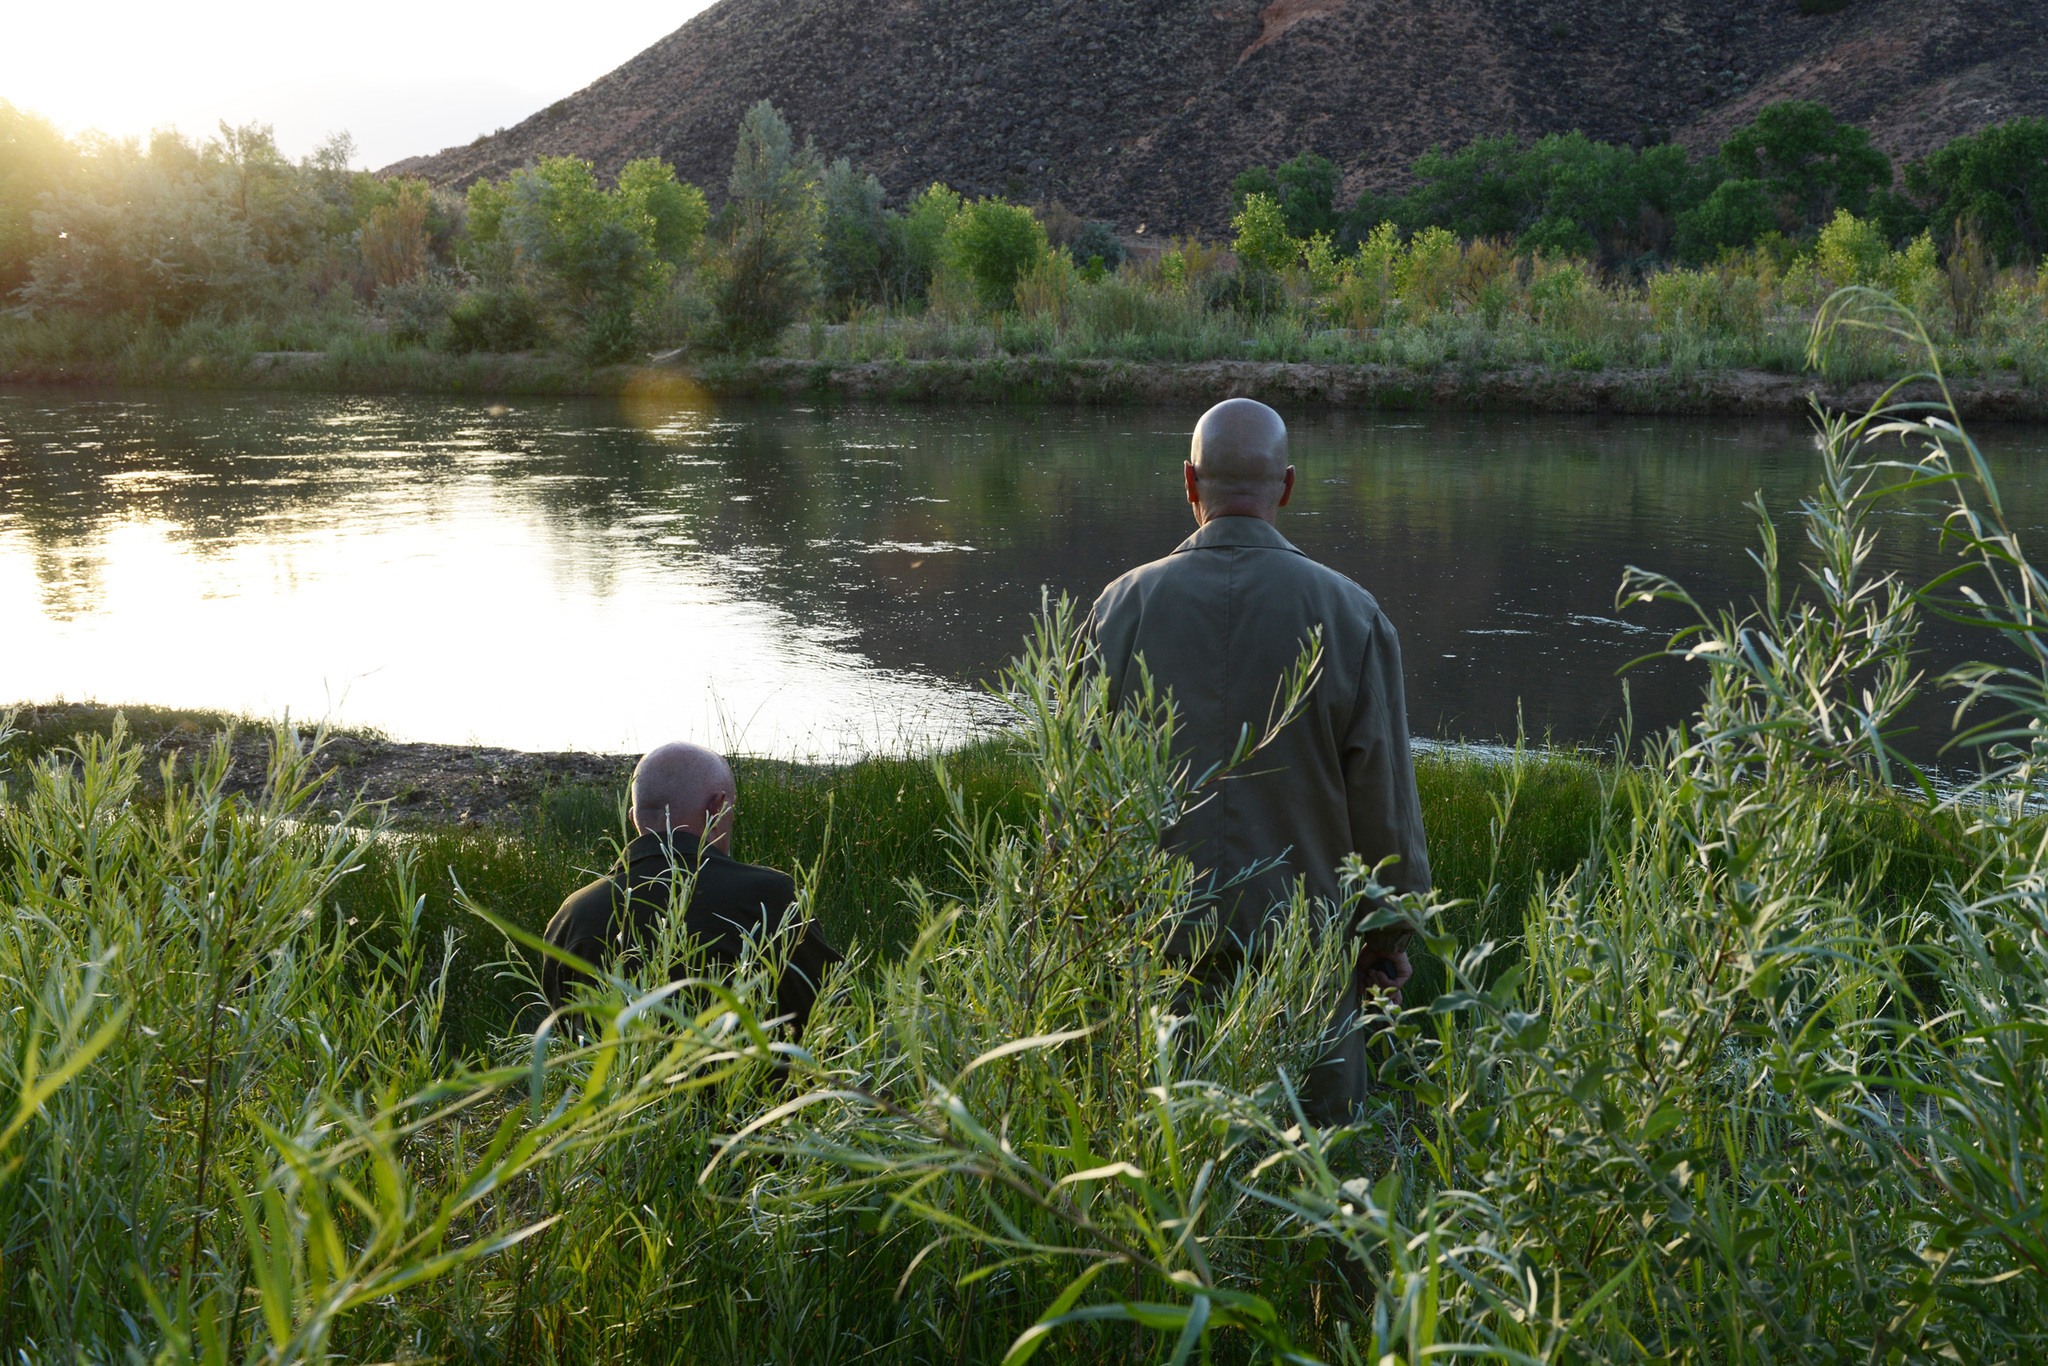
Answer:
(1379, 772)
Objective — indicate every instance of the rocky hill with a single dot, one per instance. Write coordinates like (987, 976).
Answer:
(1140, 111)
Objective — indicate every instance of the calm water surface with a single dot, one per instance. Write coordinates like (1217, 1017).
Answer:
(600, 575)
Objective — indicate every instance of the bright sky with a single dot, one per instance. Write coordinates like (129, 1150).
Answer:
(402, 77)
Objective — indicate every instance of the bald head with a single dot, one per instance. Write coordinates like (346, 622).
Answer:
(1237, 464)
(680, 786)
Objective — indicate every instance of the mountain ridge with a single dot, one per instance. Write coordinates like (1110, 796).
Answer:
(1139, 112)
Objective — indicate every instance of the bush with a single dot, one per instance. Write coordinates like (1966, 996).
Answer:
(994, 244)
(394, 240)
(1097, 243)
(1428, 270)
(418, 309)
(34, 157)
(1367, 285)
(1262, 242)
(1851, 251)
(1717, 300)
(163, 237)
(506, 319)
(611, 335)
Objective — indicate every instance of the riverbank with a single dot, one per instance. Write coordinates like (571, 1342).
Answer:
(519, 829)
(1641, 391)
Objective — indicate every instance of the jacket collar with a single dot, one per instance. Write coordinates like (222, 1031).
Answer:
(678, 847)
(1234, 532)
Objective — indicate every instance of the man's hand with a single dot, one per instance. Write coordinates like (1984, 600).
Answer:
(1387, 972)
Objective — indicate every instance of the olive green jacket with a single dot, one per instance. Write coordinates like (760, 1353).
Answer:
(1219, 622)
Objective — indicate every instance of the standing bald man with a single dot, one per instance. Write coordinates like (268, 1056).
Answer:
(1219, 622)
(684, 801)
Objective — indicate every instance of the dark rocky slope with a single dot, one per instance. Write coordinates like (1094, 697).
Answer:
(1140, 111)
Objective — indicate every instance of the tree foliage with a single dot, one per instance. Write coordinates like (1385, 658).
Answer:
(768, 271)
(855, 239)
(994, 244)
(1263, 242)
(1305, 189)
(1996, 180)
(1809, 160)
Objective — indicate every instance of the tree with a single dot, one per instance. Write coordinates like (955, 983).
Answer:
(1997, 180)
(1736, 214)
(674, 212)
(1476, 191)
(595, 247)
(917, 241)
(1808, 158)
(995, 244)
(1305, 189)
(855, 235)
(1263, 242)
(767, 273)
(34, 161)
(1563, 193)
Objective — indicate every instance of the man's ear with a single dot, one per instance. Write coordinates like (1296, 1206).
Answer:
(1287, 489)
(1194, 483)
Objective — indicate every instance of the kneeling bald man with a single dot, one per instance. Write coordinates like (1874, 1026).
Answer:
(684, 801)
(1218, 622)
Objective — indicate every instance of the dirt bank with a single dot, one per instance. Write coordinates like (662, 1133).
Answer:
(1027, 379)
(413, 784)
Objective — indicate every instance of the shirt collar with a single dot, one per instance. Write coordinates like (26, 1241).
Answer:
(1249, 532)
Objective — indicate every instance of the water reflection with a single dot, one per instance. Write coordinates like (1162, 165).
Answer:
(586, 574)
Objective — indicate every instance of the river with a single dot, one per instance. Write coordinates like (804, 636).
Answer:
(828, 580)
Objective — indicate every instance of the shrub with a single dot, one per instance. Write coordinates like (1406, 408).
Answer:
(501, 319)
(994, 243)
(418, 309)
(1305, 189)
(1717, 300)
(611, 335)
(595, 246)
(34, 158)
(1119, 307)
(1262, 241)
(1428, 270)
(1098, 242)
(162, 236)
(1048, 288)
(1851, 251)
(394, 240)
(1367, 285)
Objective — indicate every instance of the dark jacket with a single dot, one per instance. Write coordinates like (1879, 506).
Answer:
(729, 902)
